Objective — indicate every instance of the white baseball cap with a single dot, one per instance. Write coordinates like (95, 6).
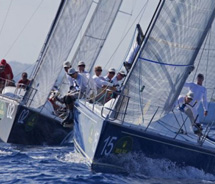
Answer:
(80, 63)
(190, 95)
(66, 64)
(112, 70)
(122, 73)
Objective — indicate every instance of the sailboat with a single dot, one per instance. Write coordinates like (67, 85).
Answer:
(141, 119)
(27, 117)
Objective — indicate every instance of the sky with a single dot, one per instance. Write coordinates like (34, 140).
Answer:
(24, 25)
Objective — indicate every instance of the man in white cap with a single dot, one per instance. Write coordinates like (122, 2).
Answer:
(99, 80)
(67, 66)
(117, 80)
(110, 75)
(81, 67)
(183, 102)
(200, 95)
(78, 89)
(80, 81)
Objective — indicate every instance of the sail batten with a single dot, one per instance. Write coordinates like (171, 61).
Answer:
(65, 31)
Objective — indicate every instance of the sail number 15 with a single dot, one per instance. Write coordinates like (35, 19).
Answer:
(108, 146)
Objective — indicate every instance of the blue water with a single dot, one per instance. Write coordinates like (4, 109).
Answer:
(33, 164)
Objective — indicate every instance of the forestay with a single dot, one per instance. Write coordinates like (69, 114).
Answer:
(65, 31)
(95, 35)
(166, 59)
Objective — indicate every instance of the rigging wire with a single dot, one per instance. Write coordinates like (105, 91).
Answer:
(23, 28)
(6, 16)
(208, 54)
(140, 13)
(200, 58)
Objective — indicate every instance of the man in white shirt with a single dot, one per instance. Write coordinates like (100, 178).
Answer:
(200, 95)
(99, 80)
(81, 68)
(67, 66)
(184, 104)
(80, 81)
(110, 75)
(78, 91)
(117, 80)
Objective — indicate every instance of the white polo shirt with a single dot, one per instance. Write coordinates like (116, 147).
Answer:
(200, 94)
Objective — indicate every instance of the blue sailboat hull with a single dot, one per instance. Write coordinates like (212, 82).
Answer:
(116, 140)
(21, 125)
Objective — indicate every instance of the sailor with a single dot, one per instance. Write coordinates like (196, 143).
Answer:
(134, 49)
(183, 102)
(200, 95)
(24, 82)
(91, 86)
(78, 90)
(185, 105)
(6, 70)
(99, 80)
(101, 84)
(81, 68)
(118, 80)
(67, 66)
(110, 75)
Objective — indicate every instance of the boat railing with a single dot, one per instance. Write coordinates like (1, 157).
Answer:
(205, 135)
(13, 91)
(106, 103)
(114, 110)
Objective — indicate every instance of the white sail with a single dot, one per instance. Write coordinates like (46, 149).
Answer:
(95, 35)
(164, 63)
(66, 28)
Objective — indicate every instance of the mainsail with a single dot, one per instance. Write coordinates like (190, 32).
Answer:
(167, 56)
(67, 25)
(95, 35)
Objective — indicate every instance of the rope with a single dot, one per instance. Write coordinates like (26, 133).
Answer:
(23, 28)
(168, 64)
(6, 16)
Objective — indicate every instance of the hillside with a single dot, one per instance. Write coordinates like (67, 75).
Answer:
(19, 67)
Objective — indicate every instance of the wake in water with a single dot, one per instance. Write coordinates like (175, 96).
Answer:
(137, 164)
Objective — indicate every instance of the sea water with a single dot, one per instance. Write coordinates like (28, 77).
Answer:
(61, 164)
